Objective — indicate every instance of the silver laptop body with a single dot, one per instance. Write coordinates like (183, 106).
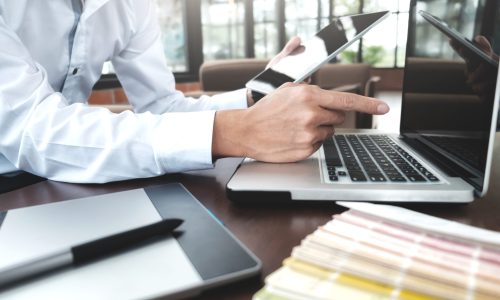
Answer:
(446, 130)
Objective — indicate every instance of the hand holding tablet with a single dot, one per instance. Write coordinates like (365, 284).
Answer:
(314, 52)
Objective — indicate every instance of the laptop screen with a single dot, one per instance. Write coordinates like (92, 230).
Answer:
(449, 85)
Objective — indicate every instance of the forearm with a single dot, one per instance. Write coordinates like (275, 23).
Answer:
(287, 125)
(229, 134)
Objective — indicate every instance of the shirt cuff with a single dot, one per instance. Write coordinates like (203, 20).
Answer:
(230, 100)
(183, 141)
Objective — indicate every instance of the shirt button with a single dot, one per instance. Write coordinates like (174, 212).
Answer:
(75, 71)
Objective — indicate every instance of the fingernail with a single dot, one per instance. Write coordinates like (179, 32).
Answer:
(382, 108)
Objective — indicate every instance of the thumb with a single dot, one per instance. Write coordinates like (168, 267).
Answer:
(291, 45)
(484, 44)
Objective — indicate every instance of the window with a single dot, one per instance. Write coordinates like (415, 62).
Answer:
(385, 45)
(199, 30)
(266, 41)
(302, 17)
(459, 15)
(171, 18)
(345, 7)
(260, 28)
(223, 29)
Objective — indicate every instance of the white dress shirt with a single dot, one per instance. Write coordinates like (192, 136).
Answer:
(51, 55)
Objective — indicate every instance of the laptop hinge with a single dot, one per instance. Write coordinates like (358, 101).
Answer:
(444, 164)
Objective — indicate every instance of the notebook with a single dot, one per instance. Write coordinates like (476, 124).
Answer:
(442, 152)
(201, 254)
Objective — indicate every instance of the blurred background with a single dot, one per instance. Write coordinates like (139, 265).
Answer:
(199, 31)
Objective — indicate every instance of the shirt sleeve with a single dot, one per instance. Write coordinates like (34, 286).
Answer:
(148, 82)
(186, 141)
(44, 135)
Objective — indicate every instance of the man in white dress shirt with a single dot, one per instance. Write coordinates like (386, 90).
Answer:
(51, 55)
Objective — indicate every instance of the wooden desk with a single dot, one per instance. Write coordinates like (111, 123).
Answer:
(269, 231)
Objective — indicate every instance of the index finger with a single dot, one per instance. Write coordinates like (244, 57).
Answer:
(352, 102)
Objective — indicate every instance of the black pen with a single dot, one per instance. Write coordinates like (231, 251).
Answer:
(83, 253)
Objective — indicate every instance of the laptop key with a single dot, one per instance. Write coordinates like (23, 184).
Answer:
(433, 178)
(397, 178)
(377, 178)
(331, 155)
(353, 168)
(334, 178)
(371, 169)
(416, 178)
(357, 176)
(411, 172)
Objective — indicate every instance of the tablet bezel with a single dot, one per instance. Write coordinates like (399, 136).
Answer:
(202, 231)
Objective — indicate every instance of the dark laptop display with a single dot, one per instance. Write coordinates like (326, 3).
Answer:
(448, 98)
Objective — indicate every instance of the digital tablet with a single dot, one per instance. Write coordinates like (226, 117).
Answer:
(457, 37)
(201, 254)
(323, 47)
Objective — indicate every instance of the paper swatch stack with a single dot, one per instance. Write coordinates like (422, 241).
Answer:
(386, 252)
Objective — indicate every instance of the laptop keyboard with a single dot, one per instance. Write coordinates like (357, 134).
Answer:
(372, 158)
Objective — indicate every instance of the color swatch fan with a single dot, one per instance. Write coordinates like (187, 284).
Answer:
(386, 252)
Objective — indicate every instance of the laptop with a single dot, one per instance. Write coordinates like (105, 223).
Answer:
(442, 153)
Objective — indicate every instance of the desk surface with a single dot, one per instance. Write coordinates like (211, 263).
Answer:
(269, 231)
